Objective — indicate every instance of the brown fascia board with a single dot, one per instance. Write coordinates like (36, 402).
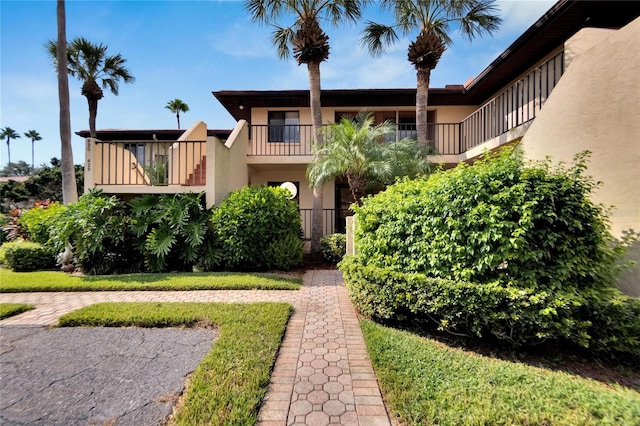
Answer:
(239, 103)
(108, 135)
(563, 20)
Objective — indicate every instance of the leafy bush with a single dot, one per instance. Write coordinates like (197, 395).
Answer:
(285, 254)
(333, 247)
(26, 256)
(249, 220)
(607, 327)
(171, 230)
(97, 227)
(499, 220)
(501, 248)
(36, 221)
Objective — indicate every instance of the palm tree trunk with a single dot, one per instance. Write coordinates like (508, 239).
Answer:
(32, 163)
(69, 189)
(317, 230)
(178, 117)
(93, 113)
(8, 150)
(358, 187)
(422, 93)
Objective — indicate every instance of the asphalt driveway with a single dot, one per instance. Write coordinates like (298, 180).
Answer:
(95, 376)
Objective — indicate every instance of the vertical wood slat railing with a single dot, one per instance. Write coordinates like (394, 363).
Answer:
(514, 106)
(150, 163)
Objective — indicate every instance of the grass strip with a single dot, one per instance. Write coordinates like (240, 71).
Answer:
(18, 282)
(426, 382)
(10, 309)
(228, 386)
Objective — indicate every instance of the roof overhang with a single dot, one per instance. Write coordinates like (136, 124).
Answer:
(108, 135)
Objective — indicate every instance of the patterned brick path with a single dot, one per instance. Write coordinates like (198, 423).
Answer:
(322, 376)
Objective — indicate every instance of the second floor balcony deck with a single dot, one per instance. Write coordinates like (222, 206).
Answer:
(515, 106)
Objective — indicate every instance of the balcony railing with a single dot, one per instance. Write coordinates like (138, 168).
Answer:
(151, 163)
(280, 140)
(295, 140)
(333, 220)
(514, 106)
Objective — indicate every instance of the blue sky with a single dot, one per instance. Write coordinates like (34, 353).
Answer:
(187, 49)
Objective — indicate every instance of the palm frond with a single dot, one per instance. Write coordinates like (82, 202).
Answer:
(282, 37)
(377, 37)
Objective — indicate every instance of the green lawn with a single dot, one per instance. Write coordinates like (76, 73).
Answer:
(15, 282)
(10, 309)
(426, 382)
(228, 386)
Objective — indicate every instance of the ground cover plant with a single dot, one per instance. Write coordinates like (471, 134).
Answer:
(228, 386)
(427, 382)
(14, 282)
(506, 249)
(10, 309)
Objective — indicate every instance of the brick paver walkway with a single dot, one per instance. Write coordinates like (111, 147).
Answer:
(322, 376)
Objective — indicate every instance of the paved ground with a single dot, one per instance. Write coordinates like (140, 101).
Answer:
(95, 376)
(322, 374)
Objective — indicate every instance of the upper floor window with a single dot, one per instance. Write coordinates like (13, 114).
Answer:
(284, 126)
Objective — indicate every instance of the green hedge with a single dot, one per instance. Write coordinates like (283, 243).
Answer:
(26, 256)
(608, 327)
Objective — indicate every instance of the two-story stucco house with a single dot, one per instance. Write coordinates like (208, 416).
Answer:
(570, 82)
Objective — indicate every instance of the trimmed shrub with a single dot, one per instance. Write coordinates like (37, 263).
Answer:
(171, 230)
(26, 256)
(528, 225)
(285, 254)
(97, 227)
(333, 247)
(501, 248)
(609, 328)
(249, 220)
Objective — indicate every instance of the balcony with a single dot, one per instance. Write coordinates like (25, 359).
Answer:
(149, 163)
(513, 107)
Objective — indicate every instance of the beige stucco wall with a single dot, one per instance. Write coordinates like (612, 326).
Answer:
(228, 169)
(596, 107)
(260, 175)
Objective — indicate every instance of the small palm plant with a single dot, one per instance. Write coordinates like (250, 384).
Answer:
(34, 136)
(8, 133)
(357, 150)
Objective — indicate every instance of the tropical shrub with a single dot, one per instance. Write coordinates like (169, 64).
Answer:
(333, 247)
(26, 256)
(252, 219)
(170, 229)
(501, 248)
(36, 222)
(97, 227)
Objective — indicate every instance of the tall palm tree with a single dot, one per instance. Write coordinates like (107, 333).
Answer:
(69, 184)
(34, 136)
(176, 106)
(8, 133)
(433, 20)
(90, 63)
(356, 149)
(309, 45)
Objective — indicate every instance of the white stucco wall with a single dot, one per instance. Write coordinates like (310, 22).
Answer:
(596, 107)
